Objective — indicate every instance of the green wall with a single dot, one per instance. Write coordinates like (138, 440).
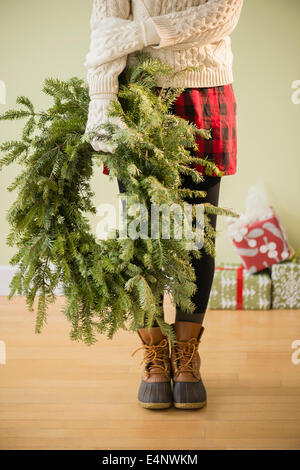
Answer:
(41, 39)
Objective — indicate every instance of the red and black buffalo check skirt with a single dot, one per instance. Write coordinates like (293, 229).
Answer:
(211, 108)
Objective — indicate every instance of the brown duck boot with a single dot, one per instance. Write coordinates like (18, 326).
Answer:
(155, 389)
(188, 388)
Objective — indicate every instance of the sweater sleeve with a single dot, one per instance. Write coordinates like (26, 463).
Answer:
(203, 24)
(104, 78)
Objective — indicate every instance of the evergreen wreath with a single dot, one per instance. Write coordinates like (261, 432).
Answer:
(113, 283)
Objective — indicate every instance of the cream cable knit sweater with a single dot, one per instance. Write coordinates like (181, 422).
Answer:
(182, 33)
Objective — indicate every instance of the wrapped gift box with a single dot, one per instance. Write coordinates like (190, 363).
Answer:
(261, 243)
(234, 288)
(285, 285)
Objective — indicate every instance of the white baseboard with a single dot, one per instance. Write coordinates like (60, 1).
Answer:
(7, 272)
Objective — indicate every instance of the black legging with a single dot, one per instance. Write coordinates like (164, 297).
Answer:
(205, 266)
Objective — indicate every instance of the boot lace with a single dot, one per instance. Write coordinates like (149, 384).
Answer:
(184, 354)
(157, 353)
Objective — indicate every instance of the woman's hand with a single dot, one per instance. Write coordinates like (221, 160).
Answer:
(98, 108)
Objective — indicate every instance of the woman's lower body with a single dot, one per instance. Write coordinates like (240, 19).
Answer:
(176, 378)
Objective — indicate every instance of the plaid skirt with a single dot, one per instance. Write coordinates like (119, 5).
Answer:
(211, 108)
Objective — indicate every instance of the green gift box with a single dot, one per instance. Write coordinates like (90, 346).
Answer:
(285, 285)
(233, 288)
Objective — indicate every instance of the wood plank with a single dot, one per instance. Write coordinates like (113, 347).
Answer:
(60, 394)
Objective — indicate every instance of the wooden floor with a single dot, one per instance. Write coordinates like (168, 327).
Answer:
(58, 394)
